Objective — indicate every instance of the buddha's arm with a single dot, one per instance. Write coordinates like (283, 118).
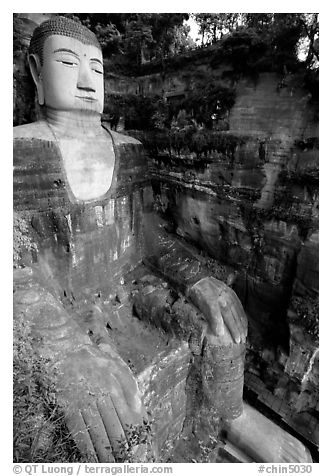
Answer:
(169, 257)
(219, 304)
(97, 391)
(221, 352)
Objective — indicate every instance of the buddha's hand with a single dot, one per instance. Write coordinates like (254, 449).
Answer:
(96, 389)
(222, 310)
(102, 404)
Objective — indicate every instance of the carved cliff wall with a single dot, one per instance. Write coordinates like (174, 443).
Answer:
(251, 203)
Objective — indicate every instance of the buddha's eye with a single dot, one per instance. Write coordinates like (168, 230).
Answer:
(97, 68)
(68, 61)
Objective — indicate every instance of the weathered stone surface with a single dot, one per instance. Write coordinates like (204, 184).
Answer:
(253, 210)
(284, 404)
(222, 362)
(163, 385)
(272, 113)
(307, 271)
(222, 377)
(300, 386)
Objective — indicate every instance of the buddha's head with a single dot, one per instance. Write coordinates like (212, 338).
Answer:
(66, 64)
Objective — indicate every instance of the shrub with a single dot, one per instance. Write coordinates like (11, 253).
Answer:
(22, 240)
(40, 432)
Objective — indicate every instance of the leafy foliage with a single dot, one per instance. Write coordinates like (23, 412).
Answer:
(306, 314)
(190, 139)
(22, 240)
(243, 50)
(212, 26)
(250, 51)
(284, 35)
(136, 435)
(203, 105)
(206, 103)
(25, 109)
(137, 111)
(138, 36)
(40, 433)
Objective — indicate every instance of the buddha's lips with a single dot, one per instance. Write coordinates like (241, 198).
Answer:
(87, 98)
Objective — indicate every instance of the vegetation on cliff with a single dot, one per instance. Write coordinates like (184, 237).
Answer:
(138, 37)
(40, 432)
(306, 314)
(188, 139)
(277, 38)
(202, 106)
(250, 44)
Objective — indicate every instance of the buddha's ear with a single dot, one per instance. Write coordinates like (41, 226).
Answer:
(35, 69)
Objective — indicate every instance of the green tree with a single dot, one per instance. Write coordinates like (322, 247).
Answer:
(182, 41)
(137, 38)
(208, 26)
(212, 26)
(288, 34)
(258, 21)
(310, 26)
(169, 34)
(109, 37)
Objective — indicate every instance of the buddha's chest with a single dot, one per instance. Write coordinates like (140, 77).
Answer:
(87, 239)
(88, 165)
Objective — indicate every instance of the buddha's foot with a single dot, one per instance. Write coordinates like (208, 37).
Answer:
(263, 441)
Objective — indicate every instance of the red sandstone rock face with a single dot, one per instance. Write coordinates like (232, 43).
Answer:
(266, 112)
(251, 210)
(307, 272)
(302, 365)
(258, 212)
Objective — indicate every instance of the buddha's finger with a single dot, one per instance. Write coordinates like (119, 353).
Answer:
(81, 436)
(240, 312)
(238, 317)
(238, 322)
(216, 284)
(98, 435)
(232, 296)
(113, 426)
(234, 303)
(229, 319)
(215, 318)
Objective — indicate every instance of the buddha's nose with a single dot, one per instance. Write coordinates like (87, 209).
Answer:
(85, 79)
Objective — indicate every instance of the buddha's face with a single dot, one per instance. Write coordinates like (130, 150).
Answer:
(72, 75)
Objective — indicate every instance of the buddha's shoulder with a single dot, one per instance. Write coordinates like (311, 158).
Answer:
(35, 130)
(120, 139)
(40, 130)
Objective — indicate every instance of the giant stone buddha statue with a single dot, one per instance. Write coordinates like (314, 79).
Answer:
(85, 190)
